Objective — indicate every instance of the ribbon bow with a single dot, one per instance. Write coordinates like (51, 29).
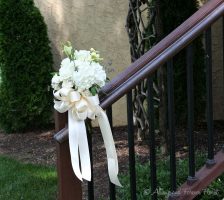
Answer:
(79, 108)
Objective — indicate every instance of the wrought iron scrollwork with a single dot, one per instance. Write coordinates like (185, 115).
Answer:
(141, 30)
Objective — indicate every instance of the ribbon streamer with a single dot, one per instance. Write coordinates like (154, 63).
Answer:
(80, 107)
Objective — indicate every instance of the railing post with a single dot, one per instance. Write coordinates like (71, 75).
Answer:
(90, 183)
(69, 186)
(209, 99)
(112, 188)
(223, 61)
(131, 145)
(171, 127)
(190, 115)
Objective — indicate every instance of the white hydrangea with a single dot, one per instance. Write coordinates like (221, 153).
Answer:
(99, 73)
(83, 55)
(80, 63)
(81, 72)
(67, 68)
(67, 83)
(56, 80)
(89, 74)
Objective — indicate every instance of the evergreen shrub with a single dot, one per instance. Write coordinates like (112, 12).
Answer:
(26, 63)
(173, 13)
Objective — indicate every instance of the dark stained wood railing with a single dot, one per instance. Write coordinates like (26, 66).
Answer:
(122, 84)
(146, 67)
(166, 43)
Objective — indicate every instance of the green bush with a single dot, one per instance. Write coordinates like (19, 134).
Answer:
(214, 191)
(26, 63)
(173, 13)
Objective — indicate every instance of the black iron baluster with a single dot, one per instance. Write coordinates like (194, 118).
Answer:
(171, 125)
(111, 185)
(223, 60)
(190, 106)
(152, 138)
(91, 183)
(208, 60)
(131, 145)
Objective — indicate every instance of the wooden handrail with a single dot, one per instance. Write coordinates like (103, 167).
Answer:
(186, 26)
(121, 85)
(158, 55)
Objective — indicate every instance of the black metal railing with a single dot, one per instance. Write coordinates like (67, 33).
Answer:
(162, 55)
(131, 146)
(90, 143)
(171, 125)
(190, 106)
(209, 102)
(171, 114)
(111, 185)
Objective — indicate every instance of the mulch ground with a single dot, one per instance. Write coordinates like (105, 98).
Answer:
(39, 148)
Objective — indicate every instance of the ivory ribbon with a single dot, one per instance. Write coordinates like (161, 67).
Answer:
(80, 107)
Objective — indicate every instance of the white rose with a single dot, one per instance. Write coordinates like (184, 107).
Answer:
(67, 68)
(55, 81)
(82, 55)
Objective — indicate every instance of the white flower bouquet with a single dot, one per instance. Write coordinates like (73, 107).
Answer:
(76, 88)
(80, 71)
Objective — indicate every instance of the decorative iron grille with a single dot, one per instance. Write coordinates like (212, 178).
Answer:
(141, 28)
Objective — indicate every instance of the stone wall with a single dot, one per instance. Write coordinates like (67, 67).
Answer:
(101, 25)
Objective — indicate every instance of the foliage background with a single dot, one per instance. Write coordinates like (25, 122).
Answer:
(173, 13)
